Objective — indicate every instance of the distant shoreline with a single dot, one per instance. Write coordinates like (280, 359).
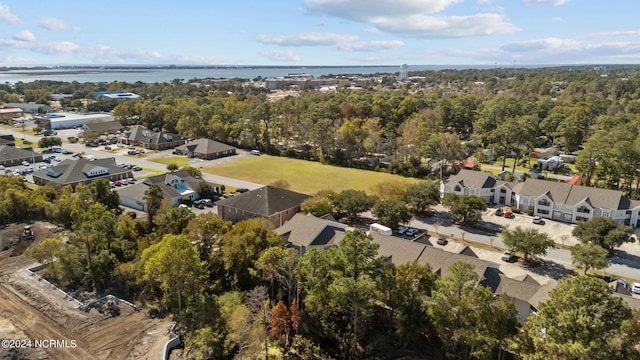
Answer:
(57, 68)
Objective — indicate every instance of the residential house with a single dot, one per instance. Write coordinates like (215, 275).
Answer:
(275, 204)
(478, 183)
(304, 232)
(527, 292)
(12, 156)
(175, 186)
(81, 171)
(205, 149)
(153, 140)
(548, 199)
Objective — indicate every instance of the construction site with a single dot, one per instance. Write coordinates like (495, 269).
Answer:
(48, 323)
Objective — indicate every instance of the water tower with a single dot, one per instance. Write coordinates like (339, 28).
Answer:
(404, 71)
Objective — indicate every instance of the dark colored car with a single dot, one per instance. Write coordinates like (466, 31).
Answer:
(441, 240)
(499, 212)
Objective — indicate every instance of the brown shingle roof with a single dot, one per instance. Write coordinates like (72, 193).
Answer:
(265, 201)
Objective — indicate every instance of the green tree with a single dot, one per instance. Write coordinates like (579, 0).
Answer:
(278, 264)
(173, 221)
(527, 241)
(587, 256)
(174, 265)
(103, 194)
(153, 196)
(341, 283)
(46, 251)
(422, 195)
(49, 142)
(466, 209)
(471, 322)
(391, 213)
(349, 203)
(206, 231)
(172, 167)
(602, 231)
(317, 206)
(580, 320)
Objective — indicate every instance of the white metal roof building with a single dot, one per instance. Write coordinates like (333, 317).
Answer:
(67, 120)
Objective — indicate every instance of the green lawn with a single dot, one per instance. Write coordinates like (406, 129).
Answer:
(181, 161)
(303, 176)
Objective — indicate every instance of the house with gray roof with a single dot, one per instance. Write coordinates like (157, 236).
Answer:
(12, 156)
(175, 186)
(275, 204)
(7, 140)
(153, 140)
(205, 149)
(478, 183)
(305, 231)
(548, 199)
(81, 171)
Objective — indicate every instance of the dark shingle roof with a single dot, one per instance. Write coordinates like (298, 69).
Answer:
(265, 201)
(8, 152)
(472, 178)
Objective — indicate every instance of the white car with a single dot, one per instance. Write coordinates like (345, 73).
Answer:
(25, 163)
(507, 256)
(635, 288)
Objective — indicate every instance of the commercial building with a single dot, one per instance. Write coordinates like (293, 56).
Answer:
(205, 149)
(115, 95)
(81, 171)
(68, 120)
(12, 156)
(275, 204)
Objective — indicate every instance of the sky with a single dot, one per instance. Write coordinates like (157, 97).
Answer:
(319, 32)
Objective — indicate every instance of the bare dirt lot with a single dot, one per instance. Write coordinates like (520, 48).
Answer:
(31, 309)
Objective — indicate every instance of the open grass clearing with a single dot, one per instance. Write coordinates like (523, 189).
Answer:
(181, 161)
(303, 176)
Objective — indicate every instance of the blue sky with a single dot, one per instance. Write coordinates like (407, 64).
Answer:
(319, 32)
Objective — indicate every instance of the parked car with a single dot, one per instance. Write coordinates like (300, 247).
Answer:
(401, 230)
(635, 288)
(412, 232)
(207, 202)
(499, 212)
(441, 240)
(107, 147)
(509, 215)
(507, 256)
(242, 190)
(25, 163)
(131, 181)
(118, 183)
(538, 220)
(136, 168)
(112, 184)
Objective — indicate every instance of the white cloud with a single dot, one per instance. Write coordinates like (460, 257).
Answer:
(443, 27)
(24, 35)
(555, 50)
(308, 39)
(365, 10)
(371, 45)
(280, 55)
(556, 18)
(7, 16)
(51, 23)
(371, 30)
(554, 2)
(53, 48)
(611, 34)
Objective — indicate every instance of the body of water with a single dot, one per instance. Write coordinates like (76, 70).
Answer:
(151, 75)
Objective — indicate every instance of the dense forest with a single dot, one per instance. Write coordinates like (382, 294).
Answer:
(235, 291)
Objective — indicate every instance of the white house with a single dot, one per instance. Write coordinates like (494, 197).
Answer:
(549, 199)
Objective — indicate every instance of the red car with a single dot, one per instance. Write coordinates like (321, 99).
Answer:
(509, 215)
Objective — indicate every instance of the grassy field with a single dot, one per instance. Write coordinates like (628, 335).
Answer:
(303, 176)
(181, 161)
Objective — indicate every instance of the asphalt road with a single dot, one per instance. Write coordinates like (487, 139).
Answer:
(626, 261)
